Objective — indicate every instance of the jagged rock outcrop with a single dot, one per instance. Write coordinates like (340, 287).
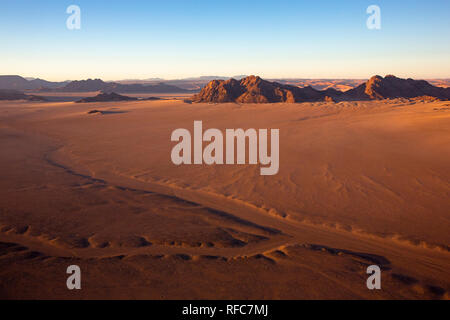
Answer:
(253, 89)
(106, 97)
(389, 87)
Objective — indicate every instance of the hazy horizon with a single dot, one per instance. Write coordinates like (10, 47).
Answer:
(178, 39)
(199, 77)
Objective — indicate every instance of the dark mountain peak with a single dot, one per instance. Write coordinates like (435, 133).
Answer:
(13, 77)
(253, 89)
(393, 87)
(85, 85)
(106, 97)
(90, 81)
(15, 82)
(251, 80)
(375, 79)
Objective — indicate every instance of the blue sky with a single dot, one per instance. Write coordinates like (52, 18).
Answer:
(273, 39)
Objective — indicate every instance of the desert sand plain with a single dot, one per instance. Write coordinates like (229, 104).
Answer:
(360, 183)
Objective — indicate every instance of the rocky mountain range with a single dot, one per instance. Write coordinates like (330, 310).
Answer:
(100, 85)
(253, 89)
(183, 85)
(14, 82)
(89, 85)
(389, 87)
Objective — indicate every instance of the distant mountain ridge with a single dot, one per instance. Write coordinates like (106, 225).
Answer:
(99, 85)
(186, 85)
(13, 82)
(253, 89)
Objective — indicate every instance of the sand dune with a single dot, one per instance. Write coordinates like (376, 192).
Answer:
(360, 183)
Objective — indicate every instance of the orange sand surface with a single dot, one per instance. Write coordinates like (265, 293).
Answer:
(360, 183)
